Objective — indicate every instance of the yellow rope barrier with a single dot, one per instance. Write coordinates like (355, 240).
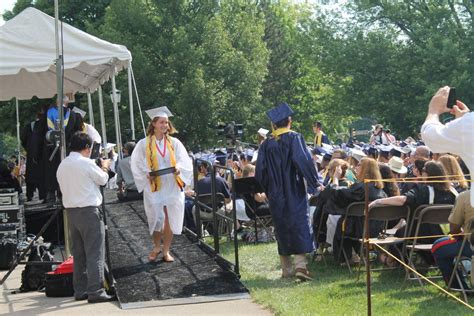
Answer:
(423, 277)
(420, 237)
(421, 180)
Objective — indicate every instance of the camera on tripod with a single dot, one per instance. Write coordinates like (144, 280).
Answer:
(231, 131)
(53, 137)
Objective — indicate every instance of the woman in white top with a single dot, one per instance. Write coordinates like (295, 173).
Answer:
(163, 195)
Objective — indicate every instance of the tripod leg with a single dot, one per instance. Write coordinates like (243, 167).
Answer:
(109, 278)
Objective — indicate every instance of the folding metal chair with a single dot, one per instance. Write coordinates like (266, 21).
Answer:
(415, 216)
(459, 270)
(322, 246)
(385, 213)
(432, 214)
(321, 249)
(263, 221)
(250, 186)
(355, 209)
(204, 208)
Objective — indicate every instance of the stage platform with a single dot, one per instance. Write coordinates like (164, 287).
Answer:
(194, 277)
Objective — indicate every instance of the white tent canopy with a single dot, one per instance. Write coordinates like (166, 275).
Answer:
(28, 53)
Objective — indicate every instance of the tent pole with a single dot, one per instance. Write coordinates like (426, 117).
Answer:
(91, 113)
(18, 130)
(102, 117)
(138, 100)
(116, 116)
(59, 82)
(130, 100)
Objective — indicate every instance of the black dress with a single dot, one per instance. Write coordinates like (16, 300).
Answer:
(341, 198)
(254, 208)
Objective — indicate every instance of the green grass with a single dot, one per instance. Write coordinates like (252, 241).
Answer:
(334, 291)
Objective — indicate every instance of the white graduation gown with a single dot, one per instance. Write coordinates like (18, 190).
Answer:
(169, 195)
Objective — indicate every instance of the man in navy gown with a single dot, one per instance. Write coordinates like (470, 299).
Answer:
(282, 165)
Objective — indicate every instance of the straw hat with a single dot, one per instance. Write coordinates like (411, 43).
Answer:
(396, 165)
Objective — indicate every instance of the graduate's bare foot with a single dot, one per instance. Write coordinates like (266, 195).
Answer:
(168, 258)
(154, 255)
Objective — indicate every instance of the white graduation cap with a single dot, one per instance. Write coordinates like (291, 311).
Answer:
(329, 148)
(357, 154)
(162, 111)
(385, 148)
(263, 132)
(407, 149)
(109, 147)
(249, 153)
(319, 159)
(79, 111)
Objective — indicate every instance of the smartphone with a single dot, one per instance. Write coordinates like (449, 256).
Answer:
(95, 152)
(451, 98)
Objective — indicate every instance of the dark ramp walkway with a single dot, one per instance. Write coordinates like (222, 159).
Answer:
(194, 277)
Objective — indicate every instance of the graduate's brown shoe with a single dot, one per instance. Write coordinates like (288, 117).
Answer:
(303, 275)
(288, 273)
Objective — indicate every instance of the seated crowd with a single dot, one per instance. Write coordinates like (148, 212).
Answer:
(399, 173)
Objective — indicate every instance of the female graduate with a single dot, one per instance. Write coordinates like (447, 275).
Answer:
(163, 195)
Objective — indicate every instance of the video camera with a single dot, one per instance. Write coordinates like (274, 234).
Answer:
(53, 137)
(231, 131)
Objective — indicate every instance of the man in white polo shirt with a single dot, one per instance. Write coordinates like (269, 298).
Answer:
(80, 179)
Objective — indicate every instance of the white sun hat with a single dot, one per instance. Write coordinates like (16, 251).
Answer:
(396, 165)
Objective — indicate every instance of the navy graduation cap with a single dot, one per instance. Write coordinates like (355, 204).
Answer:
(281, 112)
(327, 156)
(221, 157)
(319, 150)
(396, 151)
(371, 150)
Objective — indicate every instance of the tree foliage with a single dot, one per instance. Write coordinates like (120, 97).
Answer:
(220, 61)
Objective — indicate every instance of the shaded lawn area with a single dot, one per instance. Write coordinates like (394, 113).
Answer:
(334, 291)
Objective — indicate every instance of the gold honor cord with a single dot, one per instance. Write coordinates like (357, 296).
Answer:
(424, 278)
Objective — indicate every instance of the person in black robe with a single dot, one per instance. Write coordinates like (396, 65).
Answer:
(51, 162)
(32, 139)
(283, 164)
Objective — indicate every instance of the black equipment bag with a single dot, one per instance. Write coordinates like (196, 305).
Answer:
(32, 277)
(8, 248)
(59, 285)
